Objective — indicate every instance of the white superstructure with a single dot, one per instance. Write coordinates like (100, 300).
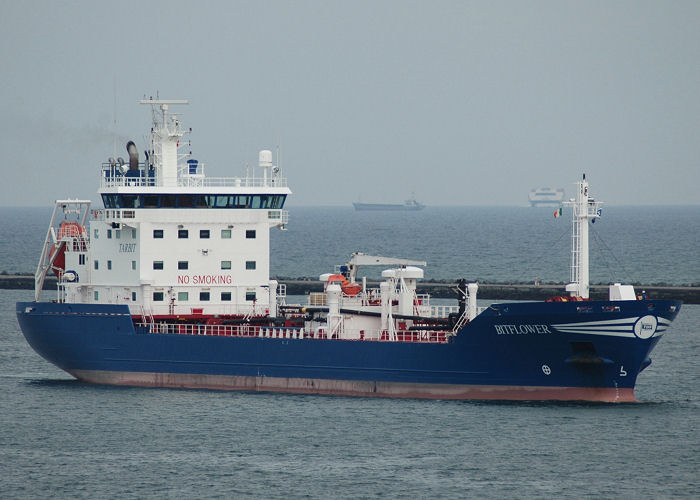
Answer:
(170, 240)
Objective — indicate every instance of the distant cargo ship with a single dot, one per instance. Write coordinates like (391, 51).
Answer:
(411, 204)
(546, 197)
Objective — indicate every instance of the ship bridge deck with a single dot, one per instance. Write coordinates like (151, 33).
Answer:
(113, 176)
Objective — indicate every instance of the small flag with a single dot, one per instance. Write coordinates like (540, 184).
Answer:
(557, 212)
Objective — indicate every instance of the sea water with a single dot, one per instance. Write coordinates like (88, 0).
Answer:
(61, 438)
(498, 244)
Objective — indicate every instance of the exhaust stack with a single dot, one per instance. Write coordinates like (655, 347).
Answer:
(133, 155)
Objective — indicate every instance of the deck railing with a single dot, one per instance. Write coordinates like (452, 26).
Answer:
(251, 331)
(112, 176)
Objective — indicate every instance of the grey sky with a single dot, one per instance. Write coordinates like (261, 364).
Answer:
(460, 102)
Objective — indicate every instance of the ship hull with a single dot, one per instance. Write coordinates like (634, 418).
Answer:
(516, 351)
(355, 387)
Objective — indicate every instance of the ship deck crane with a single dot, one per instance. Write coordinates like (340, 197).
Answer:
(359, 259)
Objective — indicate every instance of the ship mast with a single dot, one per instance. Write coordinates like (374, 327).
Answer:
(585, 208)
(165, 139)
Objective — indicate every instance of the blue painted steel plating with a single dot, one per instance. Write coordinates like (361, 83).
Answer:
(589, 344)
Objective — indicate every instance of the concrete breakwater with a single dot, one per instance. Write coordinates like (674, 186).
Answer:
(489, 291)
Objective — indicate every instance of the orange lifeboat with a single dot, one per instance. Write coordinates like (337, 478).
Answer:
(59, 261)
(67, 229)
(351, 289)
(70, 230)
(336, 278)
(348, 288)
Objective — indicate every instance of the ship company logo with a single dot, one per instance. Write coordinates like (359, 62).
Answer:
(642, 327)
(645, 326)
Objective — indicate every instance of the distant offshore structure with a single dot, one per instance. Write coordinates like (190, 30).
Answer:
(408, 205)
(546, 197)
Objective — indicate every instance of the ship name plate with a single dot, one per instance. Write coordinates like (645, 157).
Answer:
(521, 329)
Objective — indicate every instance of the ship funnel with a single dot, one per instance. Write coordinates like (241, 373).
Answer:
(133, 155)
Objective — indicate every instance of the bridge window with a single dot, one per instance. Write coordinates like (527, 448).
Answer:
(109, 264)
(250, 265)
(97, 264)
(202, 201)
(167, 201)
(242, 202)
(223, 201)
(109, 200)
(183, 233)
(250, 234)
(204, 233)
(225, 264)
(129, 201)
(185, 201)
(158, 265)
(225, 234)
(257, 201)
(157, 233)
(150, 201)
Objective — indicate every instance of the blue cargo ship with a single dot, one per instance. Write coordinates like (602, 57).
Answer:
(167, 285)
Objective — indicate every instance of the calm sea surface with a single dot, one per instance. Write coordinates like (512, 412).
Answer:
(60, 438)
